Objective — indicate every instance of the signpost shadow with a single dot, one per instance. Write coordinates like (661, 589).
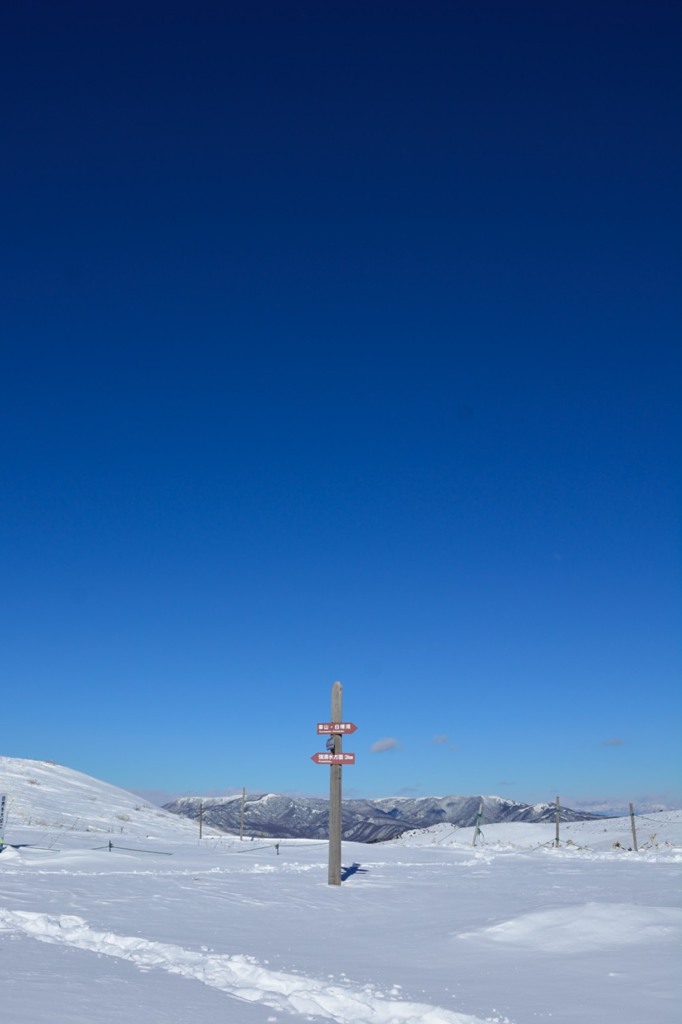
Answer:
(354, 869)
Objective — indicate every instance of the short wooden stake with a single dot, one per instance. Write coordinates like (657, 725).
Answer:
(3, 811)
(478, 822)
(634, 830)
(557, 819)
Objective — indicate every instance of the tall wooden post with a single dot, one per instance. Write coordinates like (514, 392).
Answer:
(557, 818)
(335, 793)
(634, 830)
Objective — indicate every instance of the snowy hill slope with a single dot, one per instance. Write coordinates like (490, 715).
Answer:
(53, 798)
(658, 833)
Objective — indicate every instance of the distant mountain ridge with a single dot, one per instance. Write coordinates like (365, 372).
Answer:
(271, 815)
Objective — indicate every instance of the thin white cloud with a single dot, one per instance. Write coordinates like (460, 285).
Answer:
(164, 796)
(155, 796)
(390, 743)
(619, 803)
(443, 740)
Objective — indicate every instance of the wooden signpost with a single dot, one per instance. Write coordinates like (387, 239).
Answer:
(336, 728)
(335, 758)
(327, 757)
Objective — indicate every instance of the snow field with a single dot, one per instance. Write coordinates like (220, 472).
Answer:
(164, 928)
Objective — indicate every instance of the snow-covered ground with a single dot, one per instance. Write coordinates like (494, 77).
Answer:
(163, 927)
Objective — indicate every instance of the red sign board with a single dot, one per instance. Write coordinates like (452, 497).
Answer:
(336, 728)
(328, 758)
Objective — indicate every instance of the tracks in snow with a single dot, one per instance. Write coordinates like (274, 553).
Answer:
(239, 976)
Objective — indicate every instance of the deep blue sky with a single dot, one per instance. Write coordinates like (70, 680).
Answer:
(342, 340)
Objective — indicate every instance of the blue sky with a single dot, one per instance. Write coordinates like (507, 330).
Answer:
(341, 341)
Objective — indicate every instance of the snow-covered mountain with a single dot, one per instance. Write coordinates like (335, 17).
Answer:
(363, 821)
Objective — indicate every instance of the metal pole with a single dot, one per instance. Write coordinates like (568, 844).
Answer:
(557, 815)
(634, 832)
(201, 818)
(241, 816)
(335, 793)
